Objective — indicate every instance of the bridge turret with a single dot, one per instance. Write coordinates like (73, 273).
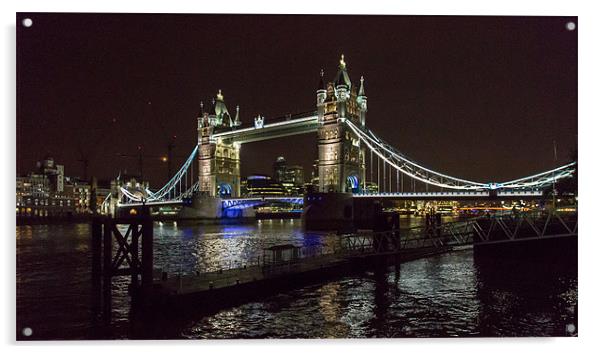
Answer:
(201, 116)
(321, 97)
(218, 115)
(342, 78)
(211, 118)
(221, 111)
(340, 155)
(321, 85)
(237, 121)
(362, 102)
(219, 162)
(342, 85)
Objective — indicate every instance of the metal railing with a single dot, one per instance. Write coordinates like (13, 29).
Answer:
(503, 227)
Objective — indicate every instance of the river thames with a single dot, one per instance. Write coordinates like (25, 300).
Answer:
(441, 296)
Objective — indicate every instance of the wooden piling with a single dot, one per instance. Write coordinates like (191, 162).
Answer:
(107, 268)
(96, 264)
(147, 252)
(135, 266)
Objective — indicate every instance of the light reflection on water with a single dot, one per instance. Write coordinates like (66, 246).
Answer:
(447, 295)
(442, 296)
(206, 248)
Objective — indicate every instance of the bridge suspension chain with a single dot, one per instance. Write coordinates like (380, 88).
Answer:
(178, 186)
(417, 172)
(176, 181)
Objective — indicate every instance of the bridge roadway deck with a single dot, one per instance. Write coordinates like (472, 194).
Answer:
(229, 287)
(462, 195)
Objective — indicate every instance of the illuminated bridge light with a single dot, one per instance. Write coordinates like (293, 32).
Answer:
(174, 193)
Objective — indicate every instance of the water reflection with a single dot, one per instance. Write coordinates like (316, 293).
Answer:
(539, 294)
(447, 295)
(331, 310)
(206, 248)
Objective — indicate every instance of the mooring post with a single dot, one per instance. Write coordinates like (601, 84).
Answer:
(96, 264)
(107, 267)
(147, 251)
(135, 266)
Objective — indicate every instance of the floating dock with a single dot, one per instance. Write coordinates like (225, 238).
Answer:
(209, 291)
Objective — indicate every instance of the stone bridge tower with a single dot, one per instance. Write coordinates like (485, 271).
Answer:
(341, 158)
(219, 163)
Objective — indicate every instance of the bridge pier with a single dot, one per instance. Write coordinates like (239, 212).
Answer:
(366, 212)
(328, 211)
(239, 214)
(203, 207)
(209, 208)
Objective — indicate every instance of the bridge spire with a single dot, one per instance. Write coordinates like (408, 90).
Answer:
(237, 121)
(201, 110)
(362, 91)
(342, 78)
(362, 101)
(321, 85)
(321, 94)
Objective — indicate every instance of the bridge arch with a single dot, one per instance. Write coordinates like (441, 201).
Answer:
(352, 183)
(224, 190)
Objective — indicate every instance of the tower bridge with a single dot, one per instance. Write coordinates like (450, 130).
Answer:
(351, 161)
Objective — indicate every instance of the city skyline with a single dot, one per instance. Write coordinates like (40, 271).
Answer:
(438, 90)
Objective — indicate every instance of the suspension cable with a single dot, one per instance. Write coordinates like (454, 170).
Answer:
(422, 174)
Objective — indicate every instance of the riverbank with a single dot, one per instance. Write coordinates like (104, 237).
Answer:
(53, 220)
(84, 219)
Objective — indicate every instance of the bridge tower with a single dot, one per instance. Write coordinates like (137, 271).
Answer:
(124, 187)
(219, 162)
(341, 158)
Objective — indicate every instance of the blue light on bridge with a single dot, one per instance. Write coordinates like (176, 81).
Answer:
(257, 177)
(234, 204)
(178, 191)
(225, 189)
(354, 183)
(232, 213)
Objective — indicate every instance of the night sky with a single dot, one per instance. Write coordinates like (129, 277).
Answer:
(481, 98)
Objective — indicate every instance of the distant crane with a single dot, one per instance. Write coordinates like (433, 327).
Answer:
(170, 139)
(86, 156)
(171, 144)
(140, 156)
